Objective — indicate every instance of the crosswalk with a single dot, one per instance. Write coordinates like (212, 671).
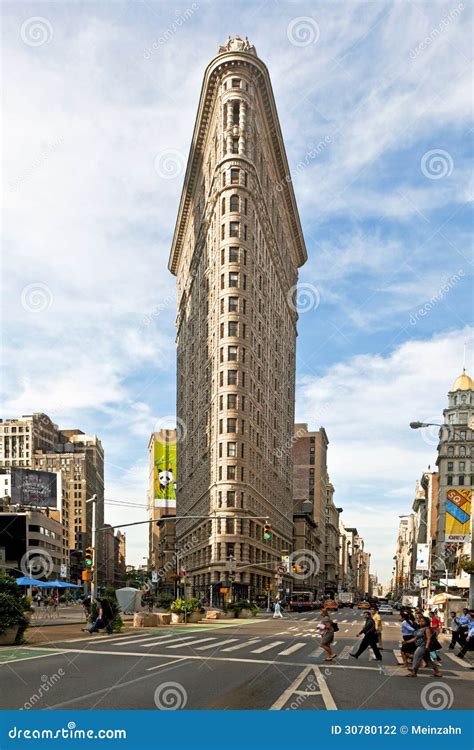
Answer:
(298, 646)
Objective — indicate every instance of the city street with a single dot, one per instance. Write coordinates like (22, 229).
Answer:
(251, 664)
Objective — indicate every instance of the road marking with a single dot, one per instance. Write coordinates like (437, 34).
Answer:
(345, 652)
(147, 638)
(216, 645)
(157, 642)
(191, 643)
(53, 652)
(267, 647)
(294, 689)
(291, 649)
(318, 652)
(461, 662)
(346, 630)
(398, 655)
(295, 627)
(243, 645)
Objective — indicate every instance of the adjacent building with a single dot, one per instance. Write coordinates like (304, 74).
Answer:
(236, 251)
(31, 544)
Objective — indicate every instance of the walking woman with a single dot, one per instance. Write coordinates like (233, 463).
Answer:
(327, 635)
(408, 646)
(422, 638)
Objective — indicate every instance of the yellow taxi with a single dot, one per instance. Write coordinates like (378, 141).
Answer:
(363, 605)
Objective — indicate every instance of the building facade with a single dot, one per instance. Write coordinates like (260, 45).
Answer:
(31, 544)
(35, 442)
(236, 251)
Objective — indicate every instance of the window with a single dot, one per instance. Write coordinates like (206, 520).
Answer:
(232, 353)
(231, 424)
(233, 229)
(223, 206)
(232, 450)
(231, 377)
(236, 83)
(234, 176)
(233, 328)
(230, 498)
(222, 281)
(461, 480)
(449, 479)
(450, 465)
(230, 473)
(233, 304)
(231, 401)
(235, 145)
(233, 254)
(235, 112)
(233, 278)
(234, 203)
(223, 231)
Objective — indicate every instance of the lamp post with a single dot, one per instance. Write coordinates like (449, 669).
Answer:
(420, 425)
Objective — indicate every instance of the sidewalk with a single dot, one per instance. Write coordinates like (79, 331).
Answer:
(62, 632)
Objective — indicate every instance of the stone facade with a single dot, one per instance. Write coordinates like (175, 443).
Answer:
(236, 251)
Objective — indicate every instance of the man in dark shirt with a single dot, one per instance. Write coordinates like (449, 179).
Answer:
(370, 638)
(104, 619)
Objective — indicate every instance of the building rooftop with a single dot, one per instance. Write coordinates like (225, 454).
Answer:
(463, 383)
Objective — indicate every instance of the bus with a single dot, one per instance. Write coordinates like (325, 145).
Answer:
(302, 601)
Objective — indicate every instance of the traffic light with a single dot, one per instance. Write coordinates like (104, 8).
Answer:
(89, 557)
(267, 531)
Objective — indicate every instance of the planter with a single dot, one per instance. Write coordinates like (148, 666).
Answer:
(9, 636)
(213, 614)
(164, 618)
(245, 613)
(177, 617)
(227, 615)
(194, 617)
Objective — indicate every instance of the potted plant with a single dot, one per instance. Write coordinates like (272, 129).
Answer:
(164, 600)
(467, 565)
(196, 610)
(13, 610)
(178, 609)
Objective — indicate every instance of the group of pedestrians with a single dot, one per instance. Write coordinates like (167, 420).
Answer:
(420, 645)
(462, 631)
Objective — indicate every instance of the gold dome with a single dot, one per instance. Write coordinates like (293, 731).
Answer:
(463, 383)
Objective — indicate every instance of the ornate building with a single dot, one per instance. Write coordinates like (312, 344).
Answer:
(236, 251)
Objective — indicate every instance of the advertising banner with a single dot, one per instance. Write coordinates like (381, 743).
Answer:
(422, 556)
(165, 474)
(458, 514)
(38, 489)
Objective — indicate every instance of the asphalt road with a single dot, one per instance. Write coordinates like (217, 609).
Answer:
(254, 664)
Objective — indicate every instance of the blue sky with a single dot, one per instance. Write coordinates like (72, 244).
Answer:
(374, 104)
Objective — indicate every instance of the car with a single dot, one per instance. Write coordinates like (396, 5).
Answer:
(330, 604)
(363, 605)
(385, 609)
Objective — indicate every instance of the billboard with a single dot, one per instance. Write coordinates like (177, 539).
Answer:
(458, 515)
(422, 556)
(34, 488)
(164, 473)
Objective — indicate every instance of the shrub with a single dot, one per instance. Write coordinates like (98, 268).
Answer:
(13, 607)
(109, 595)
(164, 600)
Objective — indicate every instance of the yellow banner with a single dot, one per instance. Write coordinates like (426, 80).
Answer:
(458, 514)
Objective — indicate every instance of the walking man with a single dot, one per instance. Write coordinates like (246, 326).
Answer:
(104, 619)
(378, 627)
(463, 626)
(455, 630)
(469, 642)
(369, 639)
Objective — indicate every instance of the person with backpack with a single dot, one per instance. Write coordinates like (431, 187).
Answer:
(370, 638)
(327, 637)
(104, 620)
(423, 645)
(455, 628)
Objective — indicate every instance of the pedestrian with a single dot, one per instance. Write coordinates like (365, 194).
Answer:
(369, 639)
(408, 646)
(435, 621)
(378, 626)
(463, 626)
(422, 639)
(104, 619)
(455, 630)
(469, 642)
(435, 625)
(327, 635)
(277, 610)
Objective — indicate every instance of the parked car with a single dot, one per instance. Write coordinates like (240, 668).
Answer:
(385, 609)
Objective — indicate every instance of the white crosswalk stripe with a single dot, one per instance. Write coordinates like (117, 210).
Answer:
(267, 647)
(158, 640)
(345, 652)
(291, 649)
(461, 662)
(243, 645)
(318, 652)
(398, 655)
(143, 639)
(191, 643)
(216, 645)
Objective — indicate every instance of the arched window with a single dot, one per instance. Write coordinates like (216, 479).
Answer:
(450, 452)
(234, 202)
(462, 451)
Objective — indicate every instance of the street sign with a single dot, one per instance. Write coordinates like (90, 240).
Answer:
(154, 576)
(63, 571)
